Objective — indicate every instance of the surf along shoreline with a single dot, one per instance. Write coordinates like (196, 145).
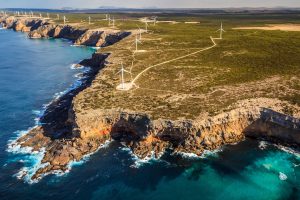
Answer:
(68, 134)
(55, 116)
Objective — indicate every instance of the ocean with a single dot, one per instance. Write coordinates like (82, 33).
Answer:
(34, 72)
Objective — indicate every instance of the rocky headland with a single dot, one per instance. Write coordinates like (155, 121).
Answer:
(69, 131)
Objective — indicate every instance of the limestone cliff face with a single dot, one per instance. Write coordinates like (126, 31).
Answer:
(188, 136)
(22, 24)
(44, 31)
(57, 31)
(68, 32)
(100, 38)
(38, 28)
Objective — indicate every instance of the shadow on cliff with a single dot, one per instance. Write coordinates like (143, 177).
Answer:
(56, 122)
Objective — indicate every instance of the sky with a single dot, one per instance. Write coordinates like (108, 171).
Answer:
(147, 3)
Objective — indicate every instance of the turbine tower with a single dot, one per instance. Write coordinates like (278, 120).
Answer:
(140, 33)
(122, 72)
(221, 31)
(89, 19)
(146, 25)
(109, 20)
(57, 16)
(65, 20)
(48, 16)
(136, 42)
(154, 21)
(113, 22)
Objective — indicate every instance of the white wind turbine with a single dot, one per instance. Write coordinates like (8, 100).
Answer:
(57, 16)
(122, 72)
(89, 19)
(113, 22)
(48, 16)
(221, 31)
(41, 15)
(109, 20)
(65, 19)
(136, 42)
(155, 20)
(146, 26)
(140, 33)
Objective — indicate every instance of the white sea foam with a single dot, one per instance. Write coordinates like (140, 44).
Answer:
(32, 159)
(288, 150)
(263, 145)
(282, 176)
(79, 75)
(32, 164)
(138, 162)
(76, 45)
(87, 156)
(188, 155)
(205, 154)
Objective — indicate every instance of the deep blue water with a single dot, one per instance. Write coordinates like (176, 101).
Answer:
(33, 71)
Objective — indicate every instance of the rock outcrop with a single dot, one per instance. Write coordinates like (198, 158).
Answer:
(146, 137)
(22, 24)
(100, 38)
(38, 28)
(44, 31)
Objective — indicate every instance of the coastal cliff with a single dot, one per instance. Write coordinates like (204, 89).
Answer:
(70, 132)
(42, 28)
(151, 138)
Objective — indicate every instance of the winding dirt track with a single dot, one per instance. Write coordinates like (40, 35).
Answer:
(179, 58)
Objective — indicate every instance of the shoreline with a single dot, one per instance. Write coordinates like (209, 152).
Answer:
(56, 109)
(71, 133)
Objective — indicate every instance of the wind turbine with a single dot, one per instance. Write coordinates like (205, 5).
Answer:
(106, 17)
(89, 19)
(65, 20)
(122, 72)
(31, 14)
(146, 25)
(109, 20)
(41, 15)
(221, 31)
(57, 16)
(155, 20)
(137, 41)
(113, 21)
(48, 16)
(140, 33)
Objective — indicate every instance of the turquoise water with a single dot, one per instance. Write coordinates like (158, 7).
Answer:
(33, 72)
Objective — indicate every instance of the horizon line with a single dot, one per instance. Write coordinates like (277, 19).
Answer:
(161, 8)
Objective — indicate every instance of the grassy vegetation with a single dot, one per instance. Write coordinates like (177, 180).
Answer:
(245, 64)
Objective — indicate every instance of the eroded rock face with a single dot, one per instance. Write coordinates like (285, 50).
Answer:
(22, 24)
(96, 60)
(148, 138)
(44, 31)
(68, 32)
(100, 38)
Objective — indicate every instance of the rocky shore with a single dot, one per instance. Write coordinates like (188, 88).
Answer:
(69, 133)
